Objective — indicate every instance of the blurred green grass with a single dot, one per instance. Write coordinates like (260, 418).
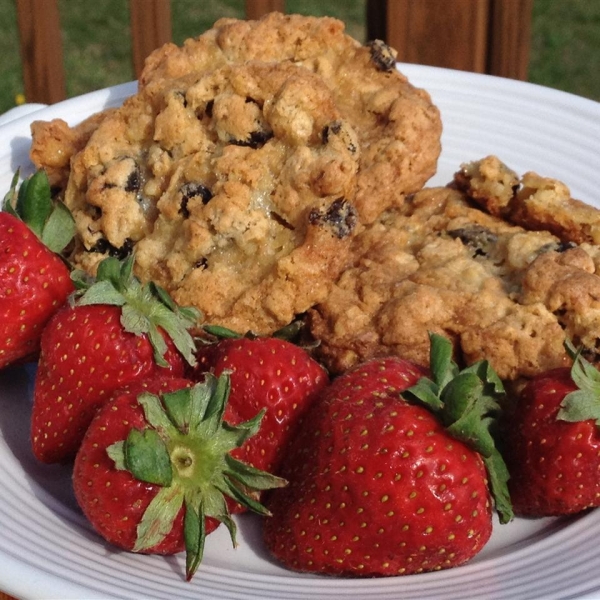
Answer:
(565, 48)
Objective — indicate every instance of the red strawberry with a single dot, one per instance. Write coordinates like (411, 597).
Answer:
(553, 442)
(155, 463)
(116, 332)
(34, 281)
(266, 373)
(377, 486)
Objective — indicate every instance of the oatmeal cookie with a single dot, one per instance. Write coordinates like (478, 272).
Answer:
(233, 187)
(532, 201)
(440, 263)
(54, 143)
(397, 125)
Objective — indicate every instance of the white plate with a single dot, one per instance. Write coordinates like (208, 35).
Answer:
(47, 550)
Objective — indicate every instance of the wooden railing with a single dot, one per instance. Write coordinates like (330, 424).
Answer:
(485, 36)
(41, 49)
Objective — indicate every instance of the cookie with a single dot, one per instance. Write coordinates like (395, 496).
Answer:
(397, 125)
(440, 263)
(54, 143)
(532, 201)
(234, 188)
(241, 170)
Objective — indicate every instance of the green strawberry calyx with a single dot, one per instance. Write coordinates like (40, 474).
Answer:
(218, 332)
(145, 308)
(584, 403)
(186, 450)
(467, 403)
(288, 333)
(292, 333)
(48, 218)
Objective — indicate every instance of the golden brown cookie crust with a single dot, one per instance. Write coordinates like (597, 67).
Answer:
(54, 143)
(242, 167)
(532, 201)
(397, 125)
(234, 188)
(440, 263)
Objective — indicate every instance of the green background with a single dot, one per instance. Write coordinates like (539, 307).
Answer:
(565, 45)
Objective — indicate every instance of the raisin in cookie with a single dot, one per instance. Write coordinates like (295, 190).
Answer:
(440, 263)
(397, 125)
(234, 188)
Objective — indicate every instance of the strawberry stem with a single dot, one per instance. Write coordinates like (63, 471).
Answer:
(584, 403)
(288, 332)
(221, 332)
(32, 202)
(147, 457)
(145, 309)
(467, 404)
(186, 451)
(194, 531)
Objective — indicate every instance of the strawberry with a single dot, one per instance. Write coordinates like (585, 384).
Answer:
(34, 281)
(553, 442)
(155, 465)
(115, 331)
(381, 485)
(266, 373)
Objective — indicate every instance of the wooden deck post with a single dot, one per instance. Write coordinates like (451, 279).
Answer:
(255, 9)
(483, 36)
(41, 50)
(151, 27)
(510, 38)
